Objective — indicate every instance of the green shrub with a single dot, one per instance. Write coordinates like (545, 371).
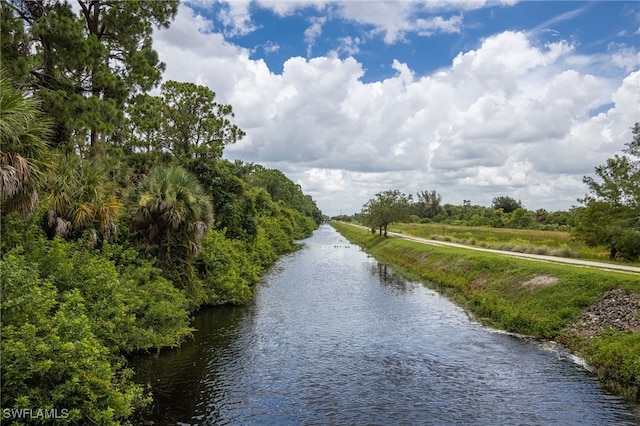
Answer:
(226, 270)
(51, 357)
(616, 356)
(131, 306)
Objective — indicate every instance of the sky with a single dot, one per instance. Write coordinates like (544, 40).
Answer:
(474, 99)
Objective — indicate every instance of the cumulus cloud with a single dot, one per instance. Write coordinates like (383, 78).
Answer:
(511, 117)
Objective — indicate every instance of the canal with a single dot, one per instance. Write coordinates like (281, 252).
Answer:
(332, 337)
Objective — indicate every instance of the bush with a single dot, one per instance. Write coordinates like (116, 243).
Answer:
(51, 357)
(131, 306)
(226, 270)
(68, 317)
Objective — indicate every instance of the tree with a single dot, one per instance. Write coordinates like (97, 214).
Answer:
(428, 204)
(620, 176)
(233, 207)
(184, 120)
(170, 208)
(87, 65)
(281, 188)
(521, 219)
(51, 356)
(541, 215)
(23, 146)
(81, 197)
(387, 207)
(145, 124)
(612, 213)
(14, 45)
(507, 204)
(195, 125)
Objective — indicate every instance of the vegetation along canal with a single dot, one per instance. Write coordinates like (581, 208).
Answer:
(333, 337)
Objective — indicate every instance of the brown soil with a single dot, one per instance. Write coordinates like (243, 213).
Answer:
(480, 283)
(539, 281)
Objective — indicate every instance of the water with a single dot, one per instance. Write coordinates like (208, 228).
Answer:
(333, 337)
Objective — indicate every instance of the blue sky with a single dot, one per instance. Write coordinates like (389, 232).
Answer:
(594, 26)
(473, 99)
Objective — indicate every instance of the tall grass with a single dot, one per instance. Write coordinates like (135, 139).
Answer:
(552, 243)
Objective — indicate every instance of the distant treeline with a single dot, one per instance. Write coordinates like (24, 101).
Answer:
(478, 215)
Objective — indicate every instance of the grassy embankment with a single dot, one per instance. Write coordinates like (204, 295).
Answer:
(553, 243)
(494, 290)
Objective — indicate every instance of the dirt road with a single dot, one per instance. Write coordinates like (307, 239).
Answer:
(536, 257)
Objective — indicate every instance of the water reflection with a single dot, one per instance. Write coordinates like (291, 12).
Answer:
(184, 374)
(388, 277)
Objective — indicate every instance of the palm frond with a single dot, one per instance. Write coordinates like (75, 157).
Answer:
(170, 204)
(23, 202)
(10, 185)
(23, 136)
(62, 227)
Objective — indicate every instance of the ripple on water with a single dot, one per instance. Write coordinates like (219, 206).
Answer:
(335, 338)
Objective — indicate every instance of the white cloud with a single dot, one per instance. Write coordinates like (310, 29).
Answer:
(394, 19)
(313, 32)
(237, 18)
(348, 45)
(625, 56)
(271, 47)
(288, 7)
(511, 117)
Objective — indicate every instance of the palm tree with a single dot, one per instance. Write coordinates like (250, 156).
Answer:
(81, 197)
(23, 134)
(168, 207)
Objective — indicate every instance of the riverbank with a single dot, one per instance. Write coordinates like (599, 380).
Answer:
(594, 313)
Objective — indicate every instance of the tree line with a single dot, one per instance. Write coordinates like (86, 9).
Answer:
(120, 218)
(609, 215)
(505, 212)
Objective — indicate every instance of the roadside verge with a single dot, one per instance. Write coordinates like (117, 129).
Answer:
(539, 257)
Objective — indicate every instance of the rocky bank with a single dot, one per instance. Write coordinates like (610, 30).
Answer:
(617, 309)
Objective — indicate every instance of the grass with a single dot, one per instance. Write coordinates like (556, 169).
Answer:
(552, 243)
(491, 288)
